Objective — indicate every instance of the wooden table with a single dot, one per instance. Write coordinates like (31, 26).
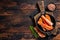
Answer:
(16, 26)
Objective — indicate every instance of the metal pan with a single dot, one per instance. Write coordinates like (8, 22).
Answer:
(43, 12)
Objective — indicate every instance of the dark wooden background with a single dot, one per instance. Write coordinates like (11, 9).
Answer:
(14, 20)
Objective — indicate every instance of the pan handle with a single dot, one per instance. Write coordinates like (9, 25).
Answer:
(41, 7)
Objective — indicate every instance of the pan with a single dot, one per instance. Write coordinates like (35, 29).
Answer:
(43, 12)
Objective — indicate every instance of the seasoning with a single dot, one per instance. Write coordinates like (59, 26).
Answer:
(51, 7)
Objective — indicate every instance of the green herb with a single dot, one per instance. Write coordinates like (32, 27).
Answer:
(33, 32)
